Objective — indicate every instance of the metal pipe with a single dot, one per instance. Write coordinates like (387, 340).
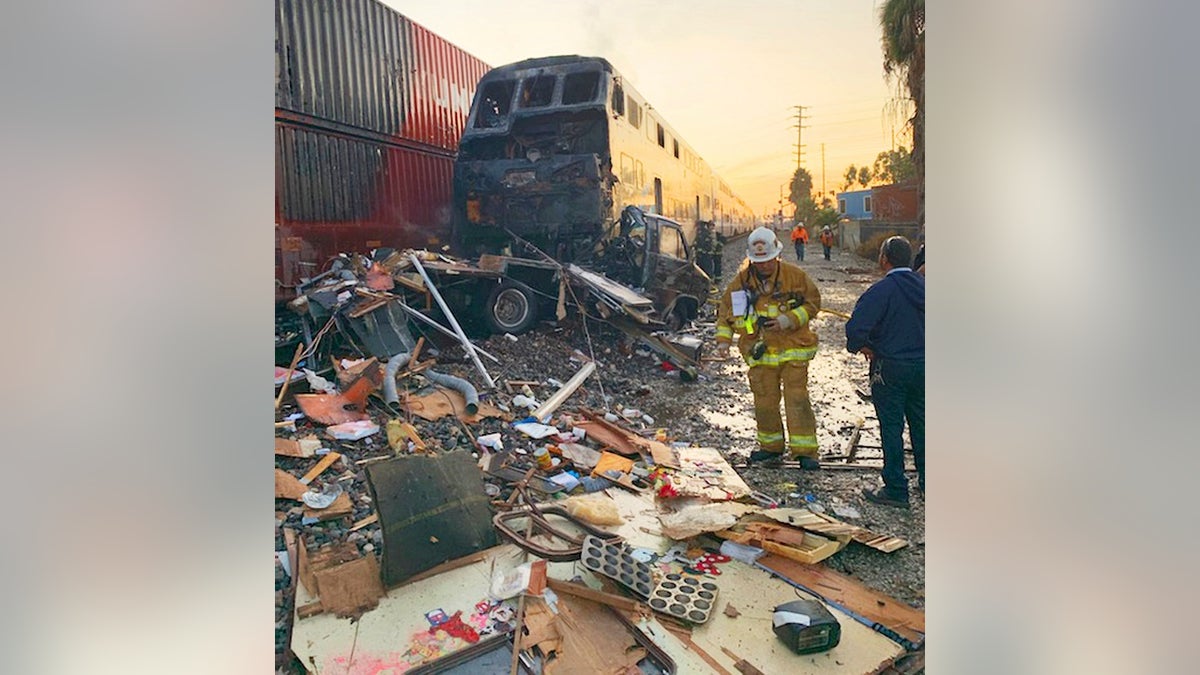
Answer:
(394, 364)
(462, 337)
(458, 384)
(416, 314)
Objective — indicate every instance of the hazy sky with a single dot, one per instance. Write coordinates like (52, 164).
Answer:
(724, 73)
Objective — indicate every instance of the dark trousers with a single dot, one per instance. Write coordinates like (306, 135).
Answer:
(898, 392)
(826, 251)
(799, 250)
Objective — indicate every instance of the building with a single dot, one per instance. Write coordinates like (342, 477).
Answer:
(855, 205)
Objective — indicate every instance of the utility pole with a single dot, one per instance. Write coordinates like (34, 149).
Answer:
(800, 127)
(822, 169)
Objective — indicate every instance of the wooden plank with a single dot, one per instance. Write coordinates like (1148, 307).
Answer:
(374, 517)
(320, 467)
(342, 506)
(851, 447)
(605, 434)
(287, 487)
(352, 588)
(593, 640)
(546, 409)
(852, 594)
(579, 590)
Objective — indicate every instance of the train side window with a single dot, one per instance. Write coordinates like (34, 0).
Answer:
(580, 88)
(537, 91)
(662, 137)
(641, 175)
(628, 170)
(676, 142)
(618, 99)
(635, 112)
(495, 102)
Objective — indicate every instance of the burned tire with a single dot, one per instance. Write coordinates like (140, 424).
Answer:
(511, 308)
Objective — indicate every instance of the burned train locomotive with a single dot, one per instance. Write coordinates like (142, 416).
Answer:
(554, 150)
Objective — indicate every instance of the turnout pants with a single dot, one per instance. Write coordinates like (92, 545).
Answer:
(790, 379)
(898, 392)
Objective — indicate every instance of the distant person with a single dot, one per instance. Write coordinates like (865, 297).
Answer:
(919, 259)
(827, 241)
(800, 240)
(769, 304)
(708, 249)
(888, 326)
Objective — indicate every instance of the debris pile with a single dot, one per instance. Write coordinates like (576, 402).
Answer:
(470, 495)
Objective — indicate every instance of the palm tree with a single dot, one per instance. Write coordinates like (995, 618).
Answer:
(903, 26)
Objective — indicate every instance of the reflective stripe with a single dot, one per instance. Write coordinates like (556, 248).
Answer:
(770, 438)
(772, 359)
(724, 331)
(801, 314)
(802, 441)
(749, 323)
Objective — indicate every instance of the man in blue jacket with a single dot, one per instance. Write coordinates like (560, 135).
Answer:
(888, 326)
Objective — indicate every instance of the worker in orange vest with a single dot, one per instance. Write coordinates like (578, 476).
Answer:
(799, 240)
(826, 240)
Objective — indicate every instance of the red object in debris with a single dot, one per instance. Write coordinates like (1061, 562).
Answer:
(378, 279)
(667, 367)
(455, 626)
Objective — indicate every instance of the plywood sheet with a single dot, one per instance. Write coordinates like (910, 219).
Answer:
(593, 640)
(861, 650)
(853, 595)
(703, 472)
(445, 402)
(341, 506)
(288, 486)
(830, 526)
(351, 588)
(606, 436)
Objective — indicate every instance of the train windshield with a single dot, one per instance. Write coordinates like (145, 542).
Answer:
(494, 103)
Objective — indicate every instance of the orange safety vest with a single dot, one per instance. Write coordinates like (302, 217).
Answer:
(827, 238)
(800, 233)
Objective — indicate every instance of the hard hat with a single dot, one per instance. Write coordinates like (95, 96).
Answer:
(762, 245)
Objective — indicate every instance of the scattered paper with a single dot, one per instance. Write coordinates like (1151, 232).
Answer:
(353, 431)
(535, 430)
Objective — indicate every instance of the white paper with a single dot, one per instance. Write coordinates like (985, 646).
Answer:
(739, 303)
(782, 618)
(535, 430)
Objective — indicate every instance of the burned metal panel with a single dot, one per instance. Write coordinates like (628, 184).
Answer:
(360, 63)
(384, 332)
(432, 509)
(336, 191)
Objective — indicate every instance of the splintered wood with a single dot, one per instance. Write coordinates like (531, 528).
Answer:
(352, 588)
(853, 595)
(287, 486)
(829, 526)
(703, 472)
(445, 402)
(342, 506)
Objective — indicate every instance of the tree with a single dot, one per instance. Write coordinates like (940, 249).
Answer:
(801, 187)
(864, 175)
(894, 166)
(902, 23)
(850, 176)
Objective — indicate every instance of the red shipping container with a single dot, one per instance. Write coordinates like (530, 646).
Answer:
(360, 63)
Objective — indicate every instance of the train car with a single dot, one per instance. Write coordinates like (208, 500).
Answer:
(369, 109)
(556, 147)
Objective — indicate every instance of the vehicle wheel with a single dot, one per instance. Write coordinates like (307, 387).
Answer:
(512, 308)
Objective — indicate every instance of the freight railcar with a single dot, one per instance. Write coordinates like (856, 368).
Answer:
(555, 148)
(369, 109)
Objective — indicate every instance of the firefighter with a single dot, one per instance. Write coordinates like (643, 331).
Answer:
(799, 240)
(826, 240)
(769, 303)
(708, 249)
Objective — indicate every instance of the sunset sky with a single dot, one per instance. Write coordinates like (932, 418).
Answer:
(725, 74)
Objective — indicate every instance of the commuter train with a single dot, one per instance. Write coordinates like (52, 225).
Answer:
(556, 147)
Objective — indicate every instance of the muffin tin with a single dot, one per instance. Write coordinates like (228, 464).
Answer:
(615, 561)
(685, 597)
